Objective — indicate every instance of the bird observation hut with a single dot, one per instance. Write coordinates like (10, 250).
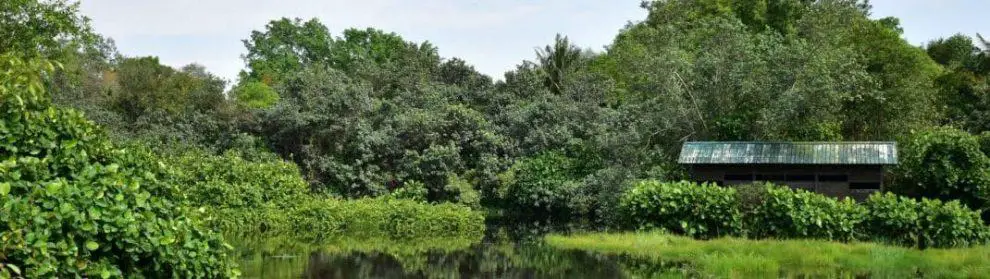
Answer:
(839, 169)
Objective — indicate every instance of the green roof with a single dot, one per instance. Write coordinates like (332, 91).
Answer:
(804, 153)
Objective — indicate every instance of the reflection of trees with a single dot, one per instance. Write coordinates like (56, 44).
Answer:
(353, 265)
(479, 261)
(496, 258)
(510, 249)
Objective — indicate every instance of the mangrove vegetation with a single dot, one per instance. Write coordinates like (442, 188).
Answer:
(364, 154)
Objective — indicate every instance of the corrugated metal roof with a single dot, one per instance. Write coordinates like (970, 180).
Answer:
(806, 153)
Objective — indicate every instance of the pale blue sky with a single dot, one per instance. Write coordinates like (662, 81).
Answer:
(493, 36)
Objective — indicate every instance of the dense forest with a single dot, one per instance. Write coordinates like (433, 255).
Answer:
(326, 125)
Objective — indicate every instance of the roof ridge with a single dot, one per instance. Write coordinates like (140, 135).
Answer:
(798, 142)
(781, 152)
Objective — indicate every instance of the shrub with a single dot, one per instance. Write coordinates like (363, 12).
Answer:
(542, 185)
(602, 191)
(205, 178)
(462, 192)
(946, 164)
(892, 219)
(929, 223)
(789, 213)
(950, 224)
(698, 210)
(74, 206)
(769, 211)
(412, 190)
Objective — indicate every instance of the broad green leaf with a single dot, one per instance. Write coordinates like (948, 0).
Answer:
(91, 245)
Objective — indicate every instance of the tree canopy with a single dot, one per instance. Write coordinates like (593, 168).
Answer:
(366, 112)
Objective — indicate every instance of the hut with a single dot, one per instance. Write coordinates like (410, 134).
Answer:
(839, 169)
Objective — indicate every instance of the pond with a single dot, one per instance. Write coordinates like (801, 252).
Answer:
(514, 253)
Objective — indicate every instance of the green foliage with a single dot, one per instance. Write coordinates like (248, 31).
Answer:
(140, 99)
(255, 95)
(33, 27)
(411, 190)
(462, 192)
(556, 61)
(714, 68)
(703, 211)
(267, 197)
(953, 52)
(335, 127)
(146, 87)
(288, 46)
(544, 184)
(768, 211)
(73, 205)
(789, 213)
(242, 184)
(928, 223)
(963, 85)
(944, 163)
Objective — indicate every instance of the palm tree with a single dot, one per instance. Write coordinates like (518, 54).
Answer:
(986, 44)
(983, 57)
(556, 60)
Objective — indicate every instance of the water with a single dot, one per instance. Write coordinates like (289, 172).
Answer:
(477, 261)
(515, 253)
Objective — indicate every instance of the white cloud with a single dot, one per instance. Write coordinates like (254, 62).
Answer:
(492, 35)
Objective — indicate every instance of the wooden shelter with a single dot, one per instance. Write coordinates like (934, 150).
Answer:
(840, 169)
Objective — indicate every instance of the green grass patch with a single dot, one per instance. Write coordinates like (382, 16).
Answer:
(735, 258)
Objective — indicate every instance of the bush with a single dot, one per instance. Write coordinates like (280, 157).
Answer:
(412, 190)
(698, 210)
(789, 213)
(74, 206)
(543, 185)
(602, 191)
(946, 164)
(230, 181)
(929, 223)
(769, 211)
(316, 219)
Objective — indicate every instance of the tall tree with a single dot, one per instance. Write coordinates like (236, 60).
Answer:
(556, 61)
(285, 46)
(33, 27)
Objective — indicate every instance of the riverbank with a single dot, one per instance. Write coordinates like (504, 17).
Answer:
(740, 258)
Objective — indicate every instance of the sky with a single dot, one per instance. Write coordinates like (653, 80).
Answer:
(494, 36)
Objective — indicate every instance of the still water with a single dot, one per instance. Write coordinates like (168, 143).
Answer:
(501, 253)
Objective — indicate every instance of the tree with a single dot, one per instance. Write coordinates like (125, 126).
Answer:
(955, 52)
(285, 46)
(255, 94)
(963, 87)
(288, 46)
(984, 42)
(944, 163)
(556, 61)
(33, 27)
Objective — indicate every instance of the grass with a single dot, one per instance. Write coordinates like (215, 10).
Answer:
(741, 258)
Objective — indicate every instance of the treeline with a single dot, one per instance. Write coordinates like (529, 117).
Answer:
(367, 113)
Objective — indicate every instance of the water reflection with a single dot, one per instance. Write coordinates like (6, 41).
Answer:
(482, 261)
(516, 252)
